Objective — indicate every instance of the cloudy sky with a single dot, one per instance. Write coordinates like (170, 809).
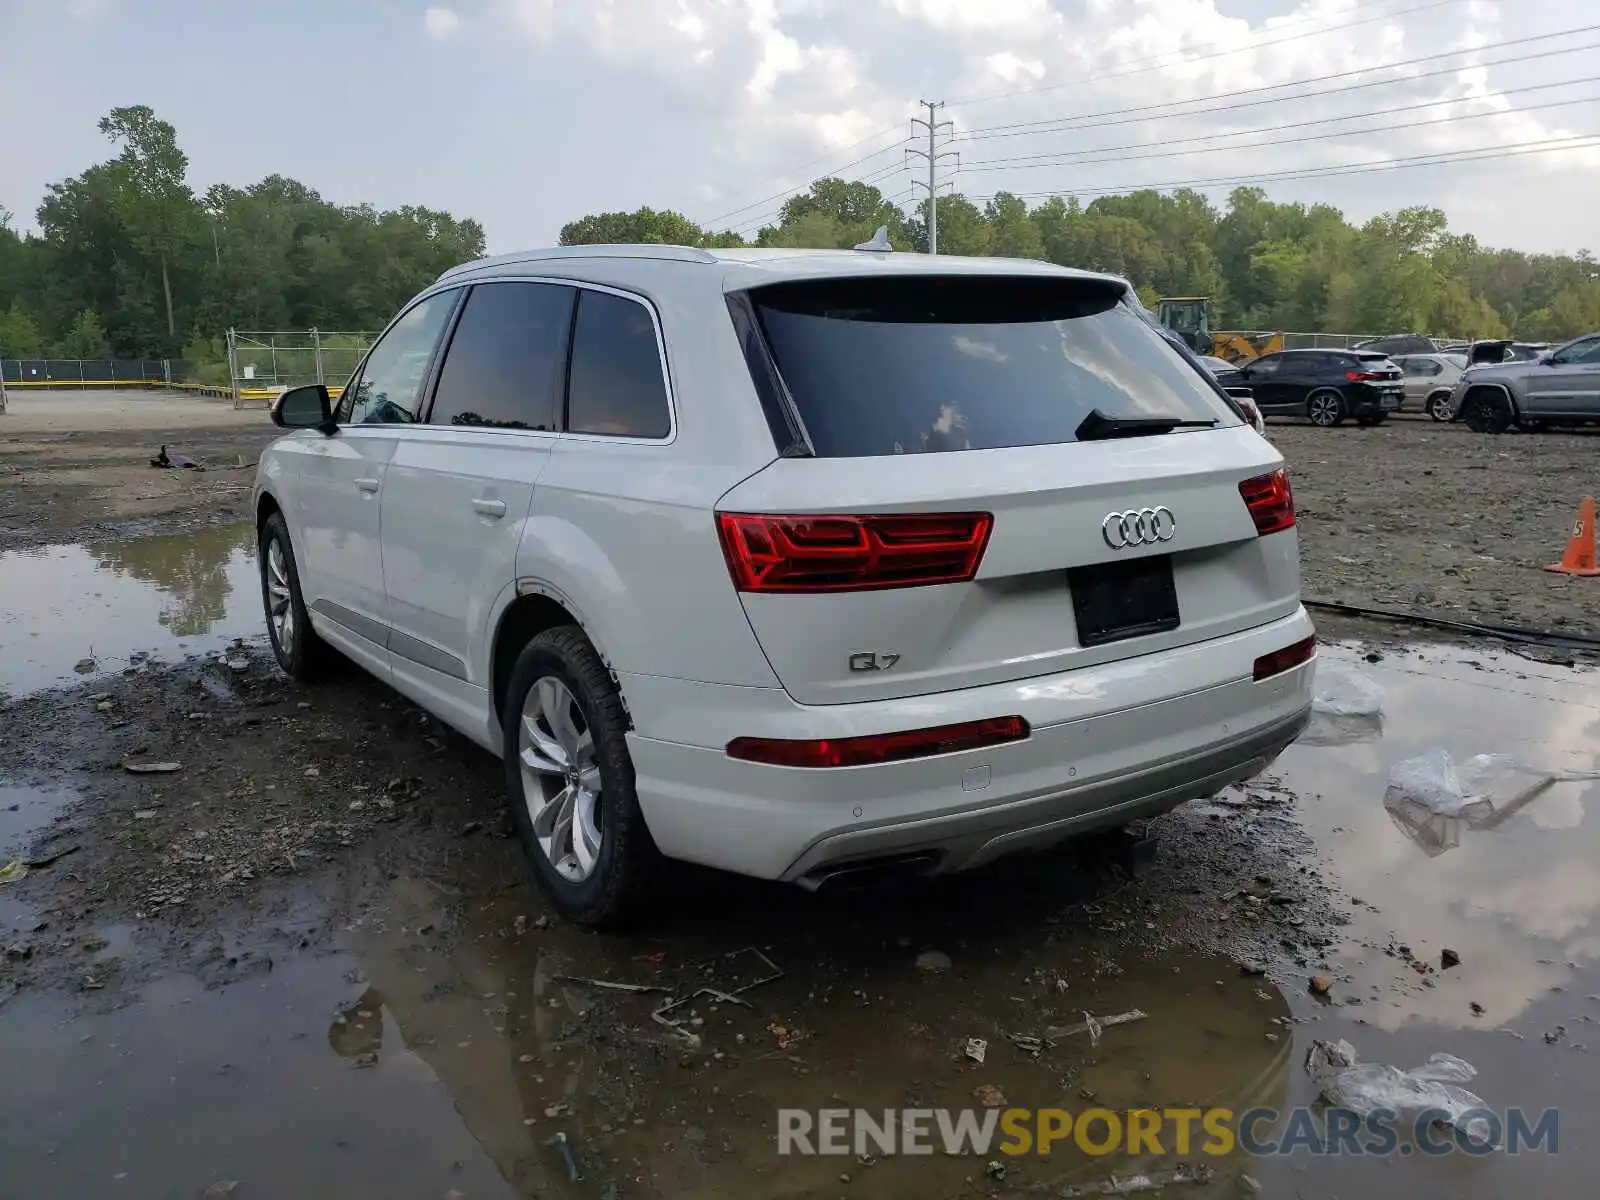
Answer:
(528, 113)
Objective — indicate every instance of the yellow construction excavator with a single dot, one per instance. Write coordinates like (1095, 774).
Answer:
(1190, 318)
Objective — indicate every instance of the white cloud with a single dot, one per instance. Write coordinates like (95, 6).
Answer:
(441, 23)
(89, 10)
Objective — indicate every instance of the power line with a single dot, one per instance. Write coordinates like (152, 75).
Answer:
(1157, 65)
(1066, 157)
(1096, 121)
(748, 224)
(1146, 153)
(1577, 141)
(767, 182)
(787, 192)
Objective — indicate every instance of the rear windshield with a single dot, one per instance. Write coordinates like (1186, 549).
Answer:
(919, 364)
(1368, 356)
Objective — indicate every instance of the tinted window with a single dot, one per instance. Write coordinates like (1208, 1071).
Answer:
(1264, 367)
(390, 386)
(1586, 351)
(503, 367)
(898, 365)
(615, 385)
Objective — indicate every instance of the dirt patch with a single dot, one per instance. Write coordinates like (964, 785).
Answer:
(75, 467)
(1438, 520)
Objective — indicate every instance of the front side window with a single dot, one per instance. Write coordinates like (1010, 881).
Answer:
(918, 364)
(1585, 351)
(615, 384)
(503, 366)
(389, 389)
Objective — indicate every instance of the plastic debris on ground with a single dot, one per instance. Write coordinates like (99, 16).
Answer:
(1433, 797)
(14, 870)
(1346, 707)
(1367, 1088)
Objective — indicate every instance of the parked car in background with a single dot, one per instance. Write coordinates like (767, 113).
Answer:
(1326, 387)
(1503, 350)
(1561, 387)
(1232, 381)
(1429, 381)
(1399, 343)
(799, 564)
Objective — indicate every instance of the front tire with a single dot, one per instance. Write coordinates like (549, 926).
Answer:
(303, 655)
(1489, 412)
(1439, 406)
(571, 782)
(1326, 409)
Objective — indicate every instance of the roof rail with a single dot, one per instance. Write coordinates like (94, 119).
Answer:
(664, 253)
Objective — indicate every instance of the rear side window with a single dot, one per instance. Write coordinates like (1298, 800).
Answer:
(503, 367)
(615, 385)
(918, 364)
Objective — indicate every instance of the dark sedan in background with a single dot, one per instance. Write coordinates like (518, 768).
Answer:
(1326, 387)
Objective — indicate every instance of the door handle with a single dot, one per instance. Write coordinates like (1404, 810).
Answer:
(489, 508)
(367, 485)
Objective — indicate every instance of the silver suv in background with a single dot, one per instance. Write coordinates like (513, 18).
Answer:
(1561, 387)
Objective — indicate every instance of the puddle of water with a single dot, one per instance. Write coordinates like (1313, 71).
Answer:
(191, 1087)
(171, 595)
(25, 810)
(1518, 902)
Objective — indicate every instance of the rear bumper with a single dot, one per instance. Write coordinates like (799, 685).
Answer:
(1108, 745)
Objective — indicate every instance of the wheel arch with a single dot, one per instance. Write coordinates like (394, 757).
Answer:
(534, 607)
(1491, 386)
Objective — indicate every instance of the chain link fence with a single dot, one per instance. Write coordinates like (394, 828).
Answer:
(262, 363)
(21, 373)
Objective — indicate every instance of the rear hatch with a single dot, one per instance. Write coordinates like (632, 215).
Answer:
(1001, 478)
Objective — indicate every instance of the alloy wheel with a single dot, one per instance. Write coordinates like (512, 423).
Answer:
(280, 598)
(560, 778)
(1324, 409)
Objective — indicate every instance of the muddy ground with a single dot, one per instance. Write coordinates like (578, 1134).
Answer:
(306, 958)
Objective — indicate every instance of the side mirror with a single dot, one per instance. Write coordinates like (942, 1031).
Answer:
(305, 407)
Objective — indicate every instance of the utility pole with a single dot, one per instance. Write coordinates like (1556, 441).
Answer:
(934, 155)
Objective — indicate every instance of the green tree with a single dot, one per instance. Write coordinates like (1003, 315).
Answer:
(1012, 230)
(644, 225)
(19, 336)
(158, 207)
(86, 338)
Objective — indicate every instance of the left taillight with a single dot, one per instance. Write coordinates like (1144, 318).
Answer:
(833, 553)
(1270, 502)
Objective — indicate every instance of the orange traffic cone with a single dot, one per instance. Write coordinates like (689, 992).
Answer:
(1580, 556)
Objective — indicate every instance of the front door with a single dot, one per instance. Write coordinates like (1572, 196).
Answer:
(1567, 383)
(1265, 376)
(341, 479)
(461, 483)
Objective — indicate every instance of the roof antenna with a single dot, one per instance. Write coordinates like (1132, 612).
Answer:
(879, 242)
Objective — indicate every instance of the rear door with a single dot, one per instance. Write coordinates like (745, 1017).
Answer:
(975, 507)
(460, 486)
(1265, 377)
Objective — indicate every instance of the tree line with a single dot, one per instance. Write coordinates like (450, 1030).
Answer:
(1265, 265)
(131, 261)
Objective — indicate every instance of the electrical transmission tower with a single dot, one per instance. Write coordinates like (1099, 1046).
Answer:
(934, 157)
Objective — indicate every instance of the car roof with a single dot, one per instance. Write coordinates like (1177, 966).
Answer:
(744, 267)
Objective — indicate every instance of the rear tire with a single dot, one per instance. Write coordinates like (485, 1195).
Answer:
(1439, 407)
(303, 655)
(571, 782)
(1326, 408)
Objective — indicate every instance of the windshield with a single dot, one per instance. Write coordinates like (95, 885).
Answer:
(913, 364)
(1458, 361)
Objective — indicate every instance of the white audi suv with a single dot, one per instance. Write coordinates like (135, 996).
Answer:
(794, 563)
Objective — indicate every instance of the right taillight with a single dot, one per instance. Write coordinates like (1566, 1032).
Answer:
(1270, 502)
(1286, 659)
(831, 553)
(1362, 376)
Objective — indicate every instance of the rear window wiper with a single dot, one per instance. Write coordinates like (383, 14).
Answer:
(1097, 427)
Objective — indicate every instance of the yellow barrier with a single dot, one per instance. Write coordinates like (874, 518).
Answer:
(205, 389)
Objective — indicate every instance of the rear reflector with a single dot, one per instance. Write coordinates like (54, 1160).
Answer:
(879, 747)
(1270, 502)
(828, 553)
(1286, 659)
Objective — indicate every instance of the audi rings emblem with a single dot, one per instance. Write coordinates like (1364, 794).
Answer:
(1139, 527)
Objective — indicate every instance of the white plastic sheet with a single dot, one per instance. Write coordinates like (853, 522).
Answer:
(1367, 1088)
(1449, 788)
(1346, 706)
